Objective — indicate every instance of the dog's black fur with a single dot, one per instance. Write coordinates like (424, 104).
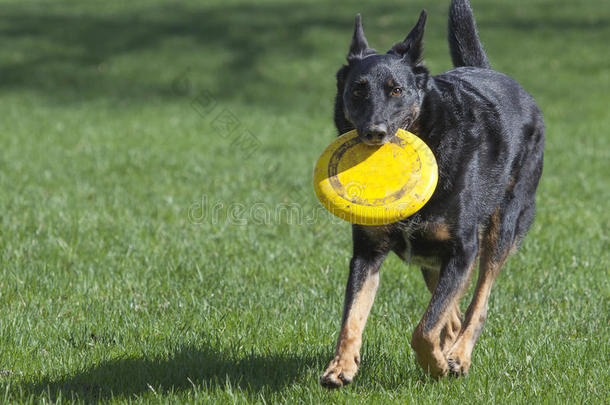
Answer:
(487, 135)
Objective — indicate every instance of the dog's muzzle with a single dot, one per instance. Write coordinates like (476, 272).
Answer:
(376, 134)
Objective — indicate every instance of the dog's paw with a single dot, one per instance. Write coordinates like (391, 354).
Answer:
(429, 355)
(339, 372)
(433, 363)
(459, 363)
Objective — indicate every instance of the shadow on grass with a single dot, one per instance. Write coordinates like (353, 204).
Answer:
(186, 369)
(64, 53)
(69, 52)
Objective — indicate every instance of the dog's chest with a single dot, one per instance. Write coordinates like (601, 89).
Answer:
(424, 243)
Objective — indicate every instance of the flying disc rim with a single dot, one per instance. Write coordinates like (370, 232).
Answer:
(333, 189)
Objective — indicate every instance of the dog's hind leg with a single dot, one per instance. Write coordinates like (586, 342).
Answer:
(370, 249)
(453, 326)
(453, 278)
(506, 227)
(497, 243)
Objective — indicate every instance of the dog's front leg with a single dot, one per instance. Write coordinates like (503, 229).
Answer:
(453, 278)
(370, 248)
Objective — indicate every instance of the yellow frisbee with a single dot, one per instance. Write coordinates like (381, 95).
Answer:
(375, 184)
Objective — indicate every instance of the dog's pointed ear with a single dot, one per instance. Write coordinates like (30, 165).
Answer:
(360, 46)
(412, 48)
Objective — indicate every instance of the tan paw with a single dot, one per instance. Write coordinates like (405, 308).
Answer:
(340, 372)
(433, 363)
(459, 362)
(429, 354)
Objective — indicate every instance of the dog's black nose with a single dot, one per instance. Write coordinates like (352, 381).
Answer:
(376, 133)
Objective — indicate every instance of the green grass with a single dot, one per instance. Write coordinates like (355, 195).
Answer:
(115, 287)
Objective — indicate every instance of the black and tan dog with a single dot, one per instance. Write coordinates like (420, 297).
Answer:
(487, 135)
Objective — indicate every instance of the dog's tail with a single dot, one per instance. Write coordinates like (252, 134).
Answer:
(464, 43)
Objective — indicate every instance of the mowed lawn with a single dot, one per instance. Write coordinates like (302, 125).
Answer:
(160, 240)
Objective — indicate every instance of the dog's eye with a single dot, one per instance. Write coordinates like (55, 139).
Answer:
(396, 91)
(357, 93)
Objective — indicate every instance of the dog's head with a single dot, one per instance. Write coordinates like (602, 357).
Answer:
(379, 93)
